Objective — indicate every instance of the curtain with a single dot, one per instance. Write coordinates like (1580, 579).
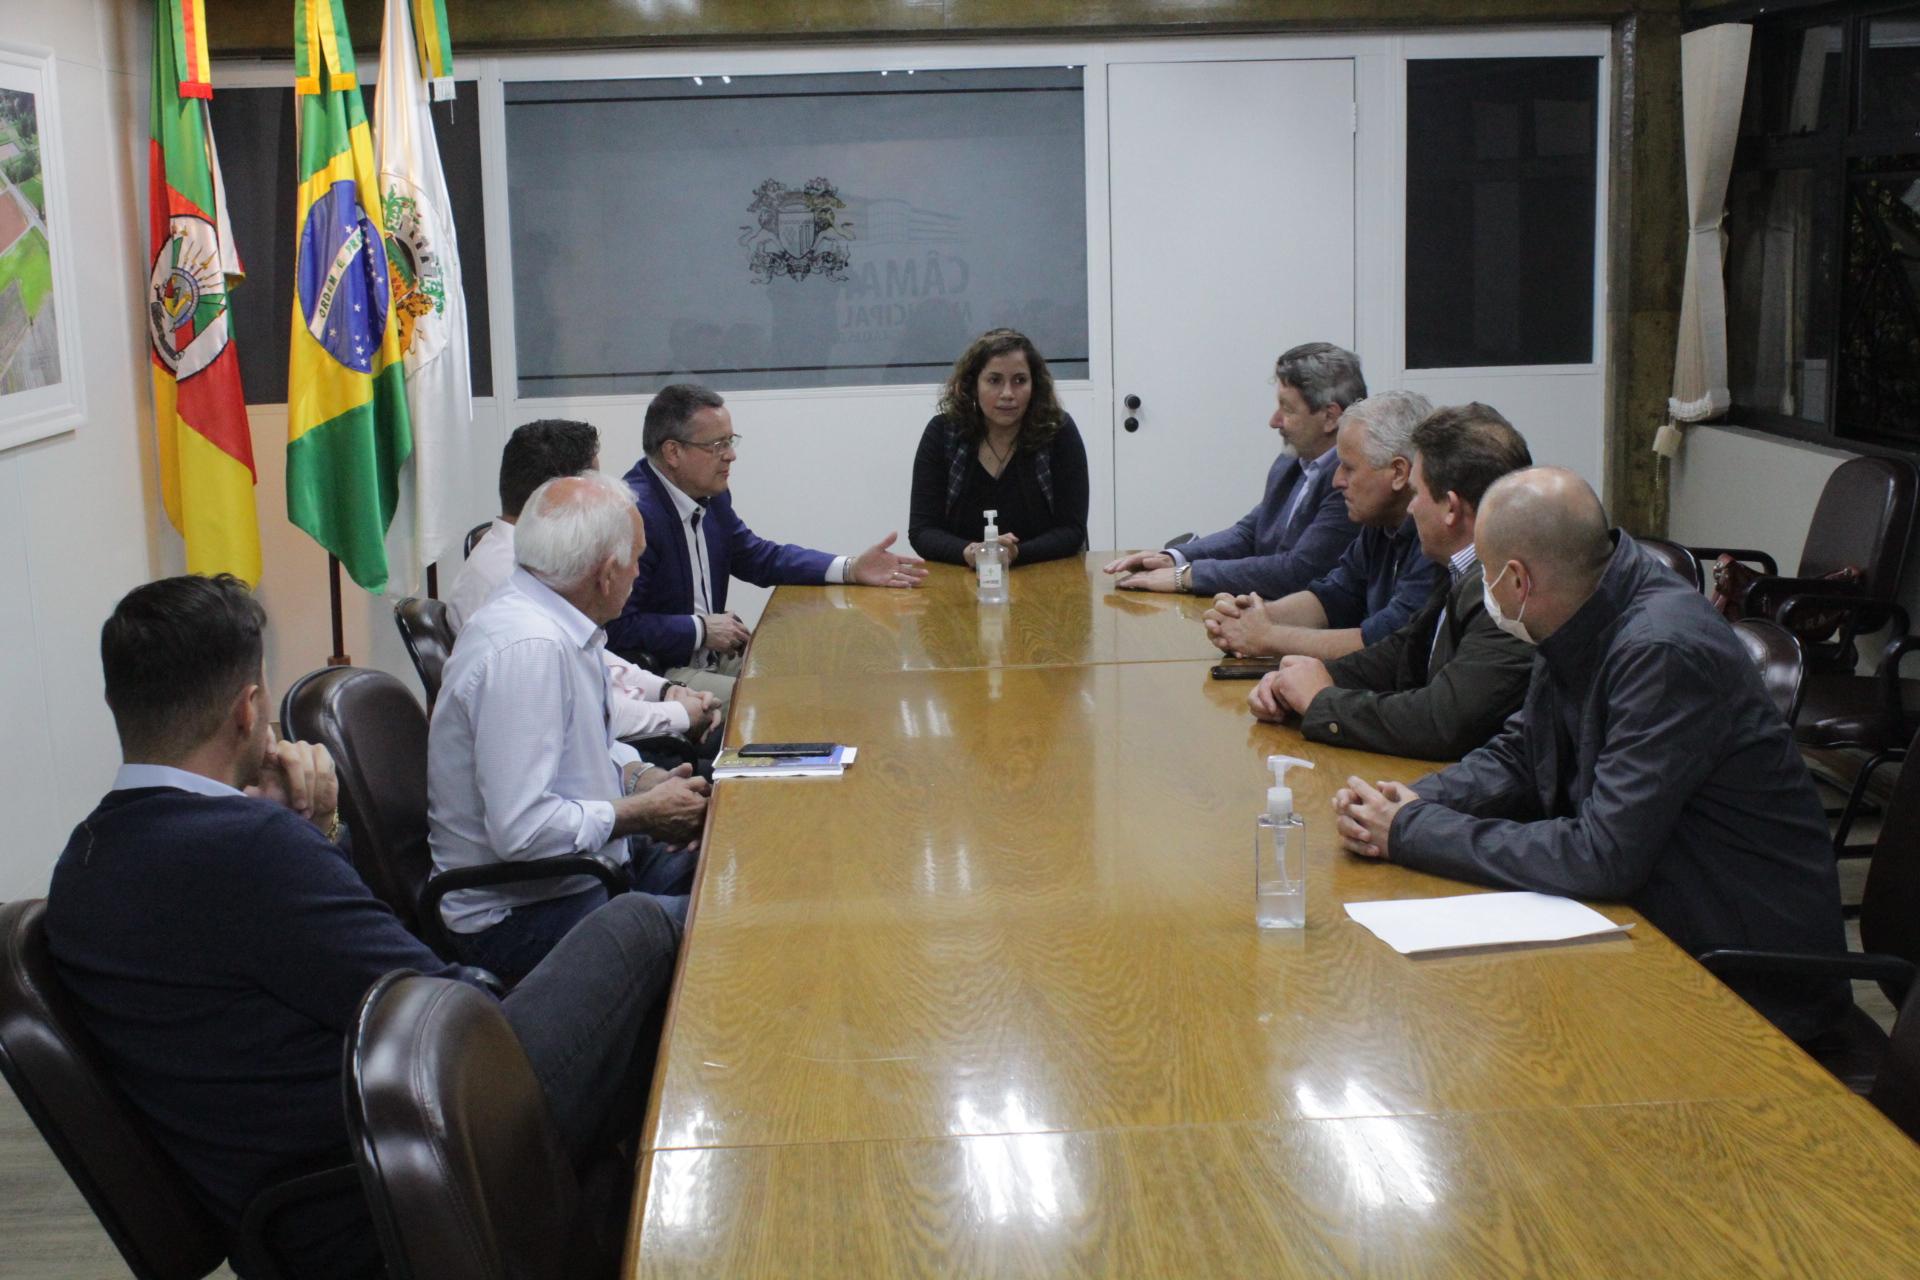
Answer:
(1713, 80)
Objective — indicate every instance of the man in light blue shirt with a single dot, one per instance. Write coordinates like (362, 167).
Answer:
(522, 760)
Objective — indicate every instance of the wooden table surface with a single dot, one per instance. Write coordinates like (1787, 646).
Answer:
(994, 1003)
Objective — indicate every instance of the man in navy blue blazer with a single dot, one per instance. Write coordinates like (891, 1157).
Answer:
(677, 614)
(1301, 527)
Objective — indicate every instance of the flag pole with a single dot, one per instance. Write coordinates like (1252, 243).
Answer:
(339, 657)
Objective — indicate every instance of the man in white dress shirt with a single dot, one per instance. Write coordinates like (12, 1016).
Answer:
(522, 761)
(644, 705)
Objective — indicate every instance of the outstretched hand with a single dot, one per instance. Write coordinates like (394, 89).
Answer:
(879, 567)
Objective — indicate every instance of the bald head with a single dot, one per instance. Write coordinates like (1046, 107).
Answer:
(1552, 520)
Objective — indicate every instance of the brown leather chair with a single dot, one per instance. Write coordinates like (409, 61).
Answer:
(428, 632)
(474, 535)
(1776, 652)
(1857, 1050)
(149, 1209)
(377, 735)
(1675, 557)
(456, 1148)
(1864, 520)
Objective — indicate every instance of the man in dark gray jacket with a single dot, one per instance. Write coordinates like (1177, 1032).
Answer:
(1648, 764)
(1446, 681)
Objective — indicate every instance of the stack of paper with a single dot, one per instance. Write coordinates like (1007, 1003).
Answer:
(731, 764)
(1414, 925)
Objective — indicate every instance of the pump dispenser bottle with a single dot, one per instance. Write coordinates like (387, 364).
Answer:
(1280, 854)
(990, 564)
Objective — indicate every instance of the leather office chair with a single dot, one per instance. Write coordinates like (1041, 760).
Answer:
(1857, 1050)
(428, 632)
(1776, 652)
(456, 1148)
(377, 735)
(1864, 520)
(474, 535)
(1896, 1089)
(149, 1209)
(1675, 557)
(1177, 540)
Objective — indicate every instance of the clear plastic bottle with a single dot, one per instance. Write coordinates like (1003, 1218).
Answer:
(1280, 854)
(990, 564)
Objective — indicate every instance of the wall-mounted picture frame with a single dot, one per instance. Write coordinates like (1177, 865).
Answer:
(42, 392)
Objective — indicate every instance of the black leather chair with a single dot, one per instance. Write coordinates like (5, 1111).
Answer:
(1177, 540)
(474, 535)
(1675, 557)
(456, 1148)
(149, 1209)
(1864, 520)
(1890, 937)
(377, 735)
(1776, 652)
(428, 632)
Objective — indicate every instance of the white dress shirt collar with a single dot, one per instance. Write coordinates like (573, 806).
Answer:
(580, 629)
(136, 777)
(681, 502)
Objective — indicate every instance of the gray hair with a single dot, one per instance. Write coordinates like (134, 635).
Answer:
(669, 412)
(1390, 417)
(1323, 374)
(563, 537)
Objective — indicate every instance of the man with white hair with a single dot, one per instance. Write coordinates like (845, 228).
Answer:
(1383, 578)
(522, 761)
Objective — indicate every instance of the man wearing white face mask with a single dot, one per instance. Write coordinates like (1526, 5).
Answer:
(1648, 765)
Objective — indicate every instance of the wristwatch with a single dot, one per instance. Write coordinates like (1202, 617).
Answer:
(1182, 576)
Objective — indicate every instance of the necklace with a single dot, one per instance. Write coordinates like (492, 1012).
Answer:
(998, 455)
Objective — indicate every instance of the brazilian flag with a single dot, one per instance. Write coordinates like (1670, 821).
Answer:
(347, 429)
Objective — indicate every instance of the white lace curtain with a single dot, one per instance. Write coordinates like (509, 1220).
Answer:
(1713, 80)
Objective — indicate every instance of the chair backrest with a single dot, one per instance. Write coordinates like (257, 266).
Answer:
(427, 629)
(1890, 898)
(377, 734)
(1864, 519)
(1675, 557)
(140, 1196)
(456, 1148)
(474, 535)
(1777, 653)
(1896, 1089)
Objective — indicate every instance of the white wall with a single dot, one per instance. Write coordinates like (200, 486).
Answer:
(77, 512)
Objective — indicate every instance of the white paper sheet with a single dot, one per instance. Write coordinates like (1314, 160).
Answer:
(1413, 925)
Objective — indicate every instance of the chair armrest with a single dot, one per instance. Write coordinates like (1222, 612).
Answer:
(1864, 967)
(251, 1255)
(1766, 595)
(575, 864)
(486, 979)
(1707, 555)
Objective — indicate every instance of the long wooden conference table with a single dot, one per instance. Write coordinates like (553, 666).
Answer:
(994, 1004)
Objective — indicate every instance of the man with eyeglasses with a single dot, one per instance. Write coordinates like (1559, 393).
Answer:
(677, 614)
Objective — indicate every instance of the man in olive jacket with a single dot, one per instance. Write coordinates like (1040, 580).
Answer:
(1445, 682)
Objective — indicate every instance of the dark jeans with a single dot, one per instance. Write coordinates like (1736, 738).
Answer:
(513, 947)
(588, 1018)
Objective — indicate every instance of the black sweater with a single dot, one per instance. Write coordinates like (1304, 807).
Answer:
(1048, 530)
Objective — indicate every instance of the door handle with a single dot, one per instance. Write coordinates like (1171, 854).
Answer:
(1131, 424)
(1132, 402)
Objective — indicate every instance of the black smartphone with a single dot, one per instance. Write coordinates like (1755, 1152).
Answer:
(1243, 668)
(787, 749)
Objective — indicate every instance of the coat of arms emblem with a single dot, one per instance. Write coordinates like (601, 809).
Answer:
(797, 233)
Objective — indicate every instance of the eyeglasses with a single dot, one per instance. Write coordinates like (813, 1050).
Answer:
(714, 447)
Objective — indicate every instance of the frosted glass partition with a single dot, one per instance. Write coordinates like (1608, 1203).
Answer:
(793, 231)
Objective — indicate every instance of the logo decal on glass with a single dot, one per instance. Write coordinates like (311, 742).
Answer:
(797, 233)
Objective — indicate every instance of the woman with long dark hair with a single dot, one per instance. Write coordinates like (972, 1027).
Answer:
(1001, 442)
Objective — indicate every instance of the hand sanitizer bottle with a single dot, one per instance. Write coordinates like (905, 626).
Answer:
(1280, 854)
(990, 564)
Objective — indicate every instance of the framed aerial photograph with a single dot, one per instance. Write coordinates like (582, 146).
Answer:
(41, 392)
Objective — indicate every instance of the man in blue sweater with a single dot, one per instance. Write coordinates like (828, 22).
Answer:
(1301, 526)
(217, 942)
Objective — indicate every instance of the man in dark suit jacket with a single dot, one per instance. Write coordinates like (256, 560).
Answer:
(677, 614)
(1301, 525)
(1444, 683)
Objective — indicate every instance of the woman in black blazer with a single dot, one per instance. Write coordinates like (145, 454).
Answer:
(1000, 443)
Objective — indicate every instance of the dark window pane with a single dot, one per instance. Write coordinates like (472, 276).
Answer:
(1794, 81)
(1890, 71)
(1879, 390)
(1780, 273)
(1501, 160)
(253, 129)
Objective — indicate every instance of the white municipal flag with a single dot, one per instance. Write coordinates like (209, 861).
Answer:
(424, 269)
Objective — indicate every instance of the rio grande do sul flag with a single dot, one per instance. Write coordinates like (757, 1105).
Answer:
(200, 413)
(423, 265)
(347, 428)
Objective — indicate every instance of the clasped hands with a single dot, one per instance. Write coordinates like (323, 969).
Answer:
(1235, 624)
(300, 776)
(1010, 541)
(1363, 815)
(668, 804)
(1290, 690)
